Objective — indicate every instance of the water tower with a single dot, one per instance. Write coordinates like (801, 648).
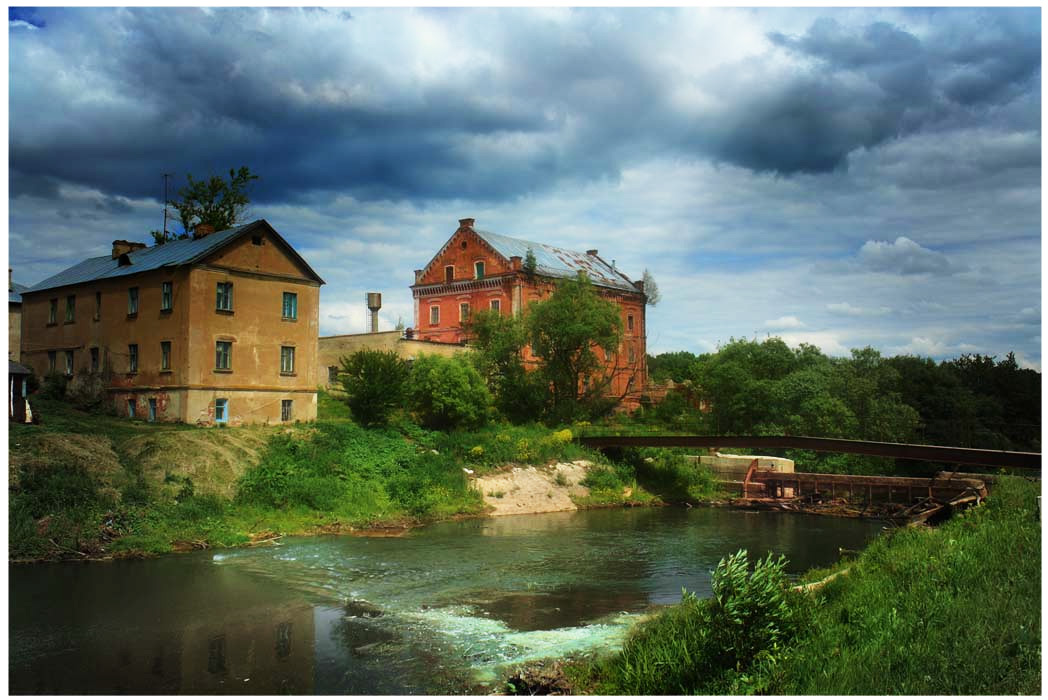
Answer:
(374, 301)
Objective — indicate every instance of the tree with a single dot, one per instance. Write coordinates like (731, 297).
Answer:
(212, 201)
(498, 343)
(565, 331)
(447, 392)
(651, 289)
(529, 263)
(374, 381)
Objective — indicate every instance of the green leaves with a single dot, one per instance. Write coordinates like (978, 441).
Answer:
(374, 381)
(212, 201)
(447, 392)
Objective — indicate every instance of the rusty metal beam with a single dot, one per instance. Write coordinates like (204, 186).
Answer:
(926, 453)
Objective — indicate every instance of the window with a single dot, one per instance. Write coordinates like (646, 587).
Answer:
(449, 273)
(478, 269)
(94, 359)
(132, 358)
(464, 311)
(290, 305)
(166, 295)
(287, 359)
(221, 410)
(496, 305)
(52, 312)
(70, 308)
(285, 409)
(132, 301)
(152, 410)
(632, 354)
(69, 363)
(224, 296)
(165, 354)
(434, 315)
(98, 305)
(51, 361)
(629, 322)
(131, 408)
(223, 354)
(332, 374)
(256, 240)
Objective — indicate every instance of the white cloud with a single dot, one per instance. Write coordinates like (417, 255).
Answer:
(904, 257)
(784, 323)
(846, 309)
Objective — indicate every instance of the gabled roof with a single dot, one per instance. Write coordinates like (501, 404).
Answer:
(551, 261)
(14, 295)
(171, 254)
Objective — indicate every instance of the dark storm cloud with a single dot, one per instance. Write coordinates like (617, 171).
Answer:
(315, 101)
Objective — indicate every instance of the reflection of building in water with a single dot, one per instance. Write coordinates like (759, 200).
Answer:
(262, 650)
(266, 650)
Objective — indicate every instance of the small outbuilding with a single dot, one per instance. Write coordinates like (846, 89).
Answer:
(17, 380)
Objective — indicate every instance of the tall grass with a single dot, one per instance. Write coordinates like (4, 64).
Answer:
(954, 610)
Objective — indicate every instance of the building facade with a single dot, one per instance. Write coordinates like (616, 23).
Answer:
(479, 270)
(14, 318)
(218, 329)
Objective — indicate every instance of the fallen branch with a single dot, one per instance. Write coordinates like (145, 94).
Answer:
(66, 549)
(816, 585)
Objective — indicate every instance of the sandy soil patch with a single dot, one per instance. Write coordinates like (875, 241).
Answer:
(523, 489)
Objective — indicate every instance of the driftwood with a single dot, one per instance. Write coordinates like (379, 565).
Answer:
(816, 585)
(66, 549)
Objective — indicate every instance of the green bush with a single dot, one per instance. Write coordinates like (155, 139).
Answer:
(54, 386)
(447, 392)
(374, 381)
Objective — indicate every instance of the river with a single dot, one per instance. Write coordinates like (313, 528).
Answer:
(445, 609)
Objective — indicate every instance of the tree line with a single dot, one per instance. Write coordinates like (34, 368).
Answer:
(766, 388)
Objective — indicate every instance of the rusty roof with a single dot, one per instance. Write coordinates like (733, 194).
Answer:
(551, 261)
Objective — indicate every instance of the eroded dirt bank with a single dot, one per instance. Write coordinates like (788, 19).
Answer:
(527, 489)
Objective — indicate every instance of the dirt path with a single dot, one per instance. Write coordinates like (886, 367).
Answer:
(518, 490)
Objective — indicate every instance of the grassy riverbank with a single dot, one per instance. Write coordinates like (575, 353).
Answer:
(84, 484)
(953, 610)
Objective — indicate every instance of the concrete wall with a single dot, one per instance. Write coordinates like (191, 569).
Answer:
(332, 348)
(734, 467)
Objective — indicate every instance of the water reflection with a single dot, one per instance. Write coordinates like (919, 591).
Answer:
(433, 612)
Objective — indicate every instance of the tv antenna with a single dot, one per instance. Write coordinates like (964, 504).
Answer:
(167, 176)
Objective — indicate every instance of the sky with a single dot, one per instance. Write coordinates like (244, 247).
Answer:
(840, 177)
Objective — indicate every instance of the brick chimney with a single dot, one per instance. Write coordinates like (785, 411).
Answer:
(466, 223)
(592, 253)
(515, 262)
(201, 230)
(122, 247)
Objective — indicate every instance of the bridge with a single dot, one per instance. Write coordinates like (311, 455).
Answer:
(927, 453)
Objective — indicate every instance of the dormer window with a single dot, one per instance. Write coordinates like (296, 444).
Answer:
(478, 269)
(123, 260)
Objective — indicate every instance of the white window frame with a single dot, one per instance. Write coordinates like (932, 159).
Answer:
(292, 307)
(287, 359)
(228, 355)
(434, 315)
(226, 298)
(464, 306)
(478, 269)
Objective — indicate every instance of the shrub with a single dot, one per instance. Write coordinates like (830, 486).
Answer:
(447, 392)
(54, 386)
(86, 391)
(374, 381)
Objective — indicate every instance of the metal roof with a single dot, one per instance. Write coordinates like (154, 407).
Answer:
(14, 295)
(171, 254)
(15, 368)
(551, 261)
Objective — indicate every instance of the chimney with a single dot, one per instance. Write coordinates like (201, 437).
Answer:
(639, 284)
(466, 223)
(515, 262)
(418, 276)
(201, 230)
(592, 253)
(124, 247)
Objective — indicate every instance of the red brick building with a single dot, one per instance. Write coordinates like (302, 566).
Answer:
(478, 270)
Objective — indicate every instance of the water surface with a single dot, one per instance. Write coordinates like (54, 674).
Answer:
(446, 609)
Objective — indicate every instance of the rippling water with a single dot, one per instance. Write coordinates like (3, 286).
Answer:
(447, 608)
